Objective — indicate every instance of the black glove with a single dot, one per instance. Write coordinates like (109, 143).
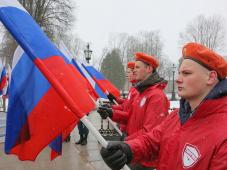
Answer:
(116, 155)
(106, 105)
(111, 97)
(124, 135)
(105, 112)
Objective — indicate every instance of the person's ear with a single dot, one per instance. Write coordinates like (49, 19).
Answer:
(213, 77)
(150, 69)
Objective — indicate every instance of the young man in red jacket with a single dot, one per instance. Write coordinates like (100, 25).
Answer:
(125, 106)
(150, 106)
(195, 136)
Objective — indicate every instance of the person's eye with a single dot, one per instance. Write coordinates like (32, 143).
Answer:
(186, 73)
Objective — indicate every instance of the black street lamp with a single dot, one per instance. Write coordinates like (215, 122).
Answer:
(87, 53)
(173, 90)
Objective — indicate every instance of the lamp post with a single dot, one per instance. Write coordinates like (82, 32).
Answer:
(173, 90)
(87, 53)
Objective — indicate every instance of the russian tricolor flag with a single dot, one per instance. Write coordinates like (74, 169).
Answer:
(82, 70)
(3, 79)
(46, 94)
(102, 82)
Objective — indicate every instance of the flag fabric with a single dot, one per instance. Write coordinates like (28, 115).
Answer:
(78, 64)
(46, 94)
(102, 82)
(3, 79)
(84, 72)
(56, 147)
(5, 90)
(56, 144)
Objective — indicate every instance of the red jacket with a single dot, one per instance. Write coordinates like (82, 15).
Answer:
(198, 144)
(148, 110)
(125, 105)
(121, 112)
(120, 100)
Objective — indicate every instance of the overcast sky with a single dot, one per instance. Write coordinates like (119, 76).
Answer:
(98, 19)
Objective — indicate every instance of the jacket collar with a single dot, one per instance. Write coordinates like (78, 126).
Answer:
(153, 79)
(215, 100)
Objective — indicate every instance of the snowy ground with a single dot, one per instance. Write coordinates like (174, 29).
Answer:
(2, 122)
(174, 104)
(2, 126)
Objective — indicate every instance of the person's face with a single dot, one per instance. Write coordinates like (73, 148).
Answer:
(192, 80)
(129, 74)
(142, 70)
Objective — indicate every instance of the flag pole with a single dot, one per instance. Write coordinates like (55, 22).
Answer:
(115, 126)
(97, 135)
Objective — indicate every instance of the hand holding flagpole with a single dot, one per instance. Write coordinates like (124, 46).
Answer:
(115, 102)
(97, 135)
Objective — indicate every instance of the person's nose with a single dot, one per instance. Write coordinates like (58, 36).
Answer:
(134, 71)
(179, 79)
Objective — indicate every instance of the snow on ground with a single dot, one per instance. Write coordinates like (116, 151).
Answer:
(2, 122)
(2, 126)
(174, 104)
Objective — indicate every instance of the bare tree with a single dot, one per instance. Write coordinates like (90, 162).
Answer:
(54, 17)
(165, 68)
(145, 41)
(208, 31)
(151, 43)
(104, 53)
(7, 48)
(74, 44)
(120, 41)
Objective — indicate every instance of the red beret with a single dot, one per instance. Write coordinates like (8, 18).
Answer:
(131, 64)
(147, 59)
(206, 57)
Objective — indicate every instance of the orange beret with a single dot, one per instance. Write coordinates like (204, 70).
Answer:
(206, 57)
(147, 59)
(131, 64)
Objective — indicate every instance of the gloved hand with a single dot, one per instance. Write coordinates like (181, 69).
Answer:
(106, 105)
(116, 155)
(105, 112)
(111, 97)
(124, 135)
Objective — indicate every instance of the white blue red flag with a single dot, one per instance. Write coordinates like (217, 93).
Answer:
(49, 98)
(5, 90)
(83, 72)
(3, 79)
(103, 83)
